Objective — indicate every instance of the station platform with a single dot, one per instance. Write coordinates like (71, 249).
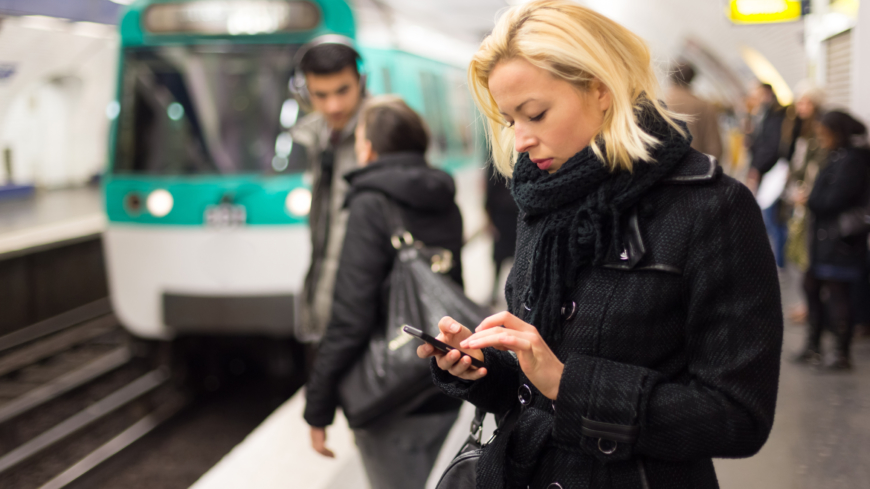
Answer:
(46, 217)
(819, 439)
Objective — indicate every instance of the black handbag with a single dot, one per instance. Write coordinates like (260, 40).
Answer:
(461, 473)
(390, 378)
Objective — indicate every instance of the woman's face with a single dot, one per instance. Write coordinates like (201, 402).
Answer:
(805, 108)
(551, 118)
(362, 146)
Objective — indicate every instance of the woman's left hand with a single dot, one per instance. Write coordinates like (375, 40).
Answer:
(504, 331)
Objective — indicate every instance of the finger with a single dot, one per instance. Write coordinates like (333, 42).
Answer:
(326, 452)
(461, 367)
(448, 327)
(448, 360)
(488, 333)
(426, 350)
(474, 374)
(506, 320)
(508, 339)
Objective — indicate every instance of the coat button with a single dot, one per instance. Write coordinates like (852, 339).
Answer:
(524, 394)
(606, 447)
(555, 485)
(569, 310)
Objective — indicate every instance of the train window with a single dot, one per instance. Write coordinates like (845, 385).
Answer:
(433, 105)
(388, 82)
(230, 17)
(205, 109)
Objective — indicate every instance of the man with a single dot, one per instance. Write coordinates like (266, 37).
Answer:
(764, 149)
(336, 90)
(704, 125)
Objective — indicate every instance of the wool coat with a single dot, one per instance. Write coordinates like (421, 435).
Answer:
(843, 184)
(671, 347)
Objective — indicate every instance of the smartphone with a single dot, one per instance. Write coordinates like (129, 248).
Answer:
(439, 345)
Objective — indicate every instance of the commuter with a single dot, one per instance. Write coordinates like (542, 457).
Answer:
(334, 91)
(502, 212)
(703, 119)
(644, 325)
(398, 450)
(836, 261)
(806, 157)
(764, 149)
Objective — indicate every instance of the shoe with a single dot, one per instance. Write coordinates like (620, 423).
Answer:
(840, 363)
(808, 357)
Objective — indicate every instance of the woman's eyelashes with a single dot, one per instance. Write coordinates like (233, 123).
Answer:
(538, 117)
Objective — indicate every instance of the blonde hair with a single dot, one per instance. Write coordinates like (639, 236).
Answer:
(577, 45)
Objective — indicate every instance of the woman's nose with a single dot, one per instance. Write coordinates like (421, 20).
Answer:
(523, 141)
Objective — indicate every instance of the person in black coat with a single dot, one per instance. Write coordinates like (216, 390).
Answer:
(644, 321)
(398, 449)
(836, 261)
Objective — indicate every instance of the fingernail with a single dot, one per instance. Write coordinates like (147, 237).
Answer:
(464, 343)
(454, 328)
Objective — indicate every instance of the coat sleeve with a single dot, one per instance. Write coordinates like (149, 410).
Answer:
(494, 393)
(765, 151)
(723, 405)
(366, 261)
(838, 189)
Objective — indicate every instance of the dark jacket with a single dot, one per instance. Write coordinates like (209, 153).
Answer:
(841, 185)
(359, 306)
(767, 140)
(671, 348)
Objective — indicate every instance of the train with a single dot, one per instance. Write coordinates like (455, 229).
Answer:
(205, 194)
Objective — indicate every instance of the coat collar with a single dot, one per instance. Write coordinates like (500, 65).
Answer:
(696, 169)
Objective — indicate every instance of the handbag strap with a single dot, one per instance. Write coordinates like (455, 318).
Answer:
(477, 424)
(399, 234)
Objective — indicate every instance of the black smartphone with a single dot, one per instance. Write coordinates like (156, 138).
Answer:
(439, 345)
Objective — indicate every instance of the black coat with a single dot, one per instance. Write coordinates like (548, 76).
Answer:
(671, 349)
(425, 196)
(767, 140)
(840, 186)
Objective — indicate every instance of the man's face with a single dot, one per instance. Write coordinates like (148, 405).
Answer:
(335, 95)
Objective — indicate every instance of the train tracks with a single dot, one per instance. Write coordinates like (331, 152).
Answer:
(73, 394)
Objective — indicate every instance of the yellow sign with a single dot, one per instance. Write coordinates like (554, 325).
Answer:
(764, 11)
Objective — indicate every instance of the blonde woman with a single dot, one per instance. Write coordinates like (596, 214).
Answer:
(644, 326)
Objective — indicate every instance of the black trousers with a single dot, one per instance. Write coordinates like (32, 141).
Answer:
(835, 314)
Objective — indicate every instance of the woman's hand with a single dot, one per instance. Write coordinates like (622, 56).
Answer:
(454, 362)
(318, 442)
(504, 331)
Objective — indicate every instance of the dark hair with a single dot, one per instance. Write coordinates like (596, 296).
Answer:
(329, 58)
(843, 127)
(393, 127)
(769, 88)
(683, 73)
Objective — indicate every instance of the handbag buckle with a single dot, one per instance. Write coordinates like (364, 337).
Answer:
(403, 238)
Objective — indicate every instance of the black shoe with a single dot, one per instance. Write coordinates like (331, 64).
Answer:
(808, 357)
(840, 363)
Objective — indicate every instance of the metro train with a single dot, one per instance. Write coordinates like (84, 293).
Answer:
(205, 193)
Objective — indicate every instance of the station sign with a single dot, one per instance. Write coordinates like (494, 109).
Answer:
(765, 11)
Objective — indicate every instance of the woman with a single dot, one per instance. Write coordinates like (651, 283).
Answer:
(398, 450)
(800, 146)
(644, 326)
(836, 261)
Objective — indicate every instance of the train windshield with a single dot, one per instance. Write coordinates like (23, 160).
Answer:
(209, 109)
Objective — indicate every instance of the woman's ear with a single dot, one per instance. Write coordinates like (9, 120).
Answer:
(601, 95)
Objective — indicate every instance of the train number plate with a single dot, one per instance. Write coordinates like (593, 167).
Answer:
(225, 215)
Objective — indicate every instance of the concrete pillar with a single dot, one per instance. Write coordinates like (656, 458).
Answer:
(860, 104)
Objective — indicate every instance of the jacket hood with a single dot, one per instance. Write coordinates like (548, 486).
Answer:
(406, 178)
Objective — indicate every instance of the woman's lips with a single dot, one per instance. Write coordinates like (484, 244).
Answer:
(543, 164)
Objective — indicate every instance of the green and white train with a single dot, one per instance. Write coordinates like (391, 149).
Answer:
(206, 195)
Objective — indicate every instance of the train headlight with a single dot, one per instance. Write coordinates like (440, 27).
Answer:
(299, 202)
(159, 202)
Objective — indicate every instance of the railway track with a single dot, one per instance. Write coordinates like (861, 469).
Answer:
(72, 395)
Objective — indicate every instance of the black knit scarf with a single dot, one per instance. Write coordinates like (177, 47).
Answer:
(581, 205)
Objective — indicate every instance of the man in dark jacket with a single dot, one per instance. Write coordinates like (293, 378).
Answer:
(334, 90)
(764, 149)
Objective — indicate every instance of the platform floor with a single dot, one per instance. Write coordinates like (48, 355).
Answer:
(820, 438)
(50, 216)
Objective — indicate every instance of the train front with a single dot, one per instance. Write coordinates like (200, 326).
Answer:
(206, 197)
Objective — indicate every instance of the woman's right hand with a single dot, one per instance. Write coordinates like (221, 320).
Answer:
(454, 362)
